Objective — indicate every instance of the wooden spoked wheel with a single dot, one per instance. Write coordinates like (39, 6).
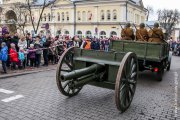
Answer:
(66, 64)
(126, 81)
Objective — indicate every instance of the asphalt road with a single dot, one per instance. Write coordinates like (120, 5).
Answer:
(36, 97)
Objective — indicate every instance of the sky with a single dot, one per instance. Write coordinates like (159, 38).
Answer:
(161, 4)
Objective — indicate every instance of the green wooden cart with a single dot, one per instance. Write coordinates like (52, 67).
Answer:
(117, 69)
(151, 56)
(112, 70)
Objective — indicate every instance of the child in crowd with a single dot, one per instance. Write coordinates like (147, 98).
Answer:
(13, 56)
(32, 55)
(4, 56)
(21, 58)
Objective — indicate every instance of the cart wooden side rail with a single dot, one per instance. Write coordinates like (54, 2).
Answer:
(151, 56)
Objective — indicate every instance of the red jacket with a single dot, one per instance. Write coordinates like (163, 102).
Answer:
(13, 55)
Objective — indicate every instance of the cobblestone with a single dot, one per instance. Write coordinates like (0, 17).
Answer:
(42, 100)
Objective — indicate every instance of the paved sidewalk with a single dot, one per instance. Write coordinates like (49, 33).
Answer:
(28, 70)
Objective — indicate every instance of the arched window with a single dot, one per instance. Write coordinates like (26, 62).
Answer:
(108, 15)
(67, 16)
(102, 34)
(113, 34)
(83, 16)
(79, 16)
(89, 15)
(88, 34)
(58, 32)
(49, 17)
(114, 15)
(44, 17)
(62, 16)
(79, 34)
(58, 16)
(66, 33)
(102, 15)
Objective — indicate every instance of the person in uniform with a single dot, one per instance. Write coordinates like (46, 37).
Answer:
(156, 34)
(142, 33)
(127, 33)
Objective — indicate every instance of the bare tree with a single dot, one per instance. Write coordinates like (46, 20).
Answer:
(168, 20)
(46, 3)
(21, 14)
(150, 10)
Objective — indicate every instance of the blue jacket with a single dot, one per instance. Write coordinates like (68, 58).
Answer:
(95, 45)
(4, 54)
(21, 56)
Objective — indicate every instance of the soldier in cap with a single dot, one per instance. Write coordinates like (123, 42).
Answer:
(142, 33)
(127, 33)
(156, 34)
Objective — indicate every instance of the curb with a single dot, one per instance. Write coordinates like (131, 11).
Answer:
(23, 73)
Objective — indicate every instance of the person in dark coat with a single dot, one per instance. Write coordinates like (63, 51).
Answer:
(38, 46)
(95, 45)
(46, 46)
(29, 41)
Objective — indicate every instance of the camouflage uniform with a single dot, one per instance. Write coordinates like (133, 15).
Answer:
(142, 33)
(156, 34)
(127, 33)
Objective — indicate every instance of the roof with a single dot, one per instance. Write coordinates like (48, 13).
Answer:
(137, 2)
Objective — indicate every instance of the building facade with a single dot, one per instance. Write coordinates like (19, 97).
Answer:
(100, 18)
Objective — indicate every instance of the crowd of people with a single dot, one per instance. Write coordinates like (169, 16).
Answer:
(18, 51)
(174, 46)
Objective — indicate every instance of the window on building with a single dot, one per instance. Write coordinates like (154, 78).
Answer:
(114, 15)
(79, 16)
(44, 17)
(102, 34)
(137, 18)
(66, 33)
(89, 15)
(58, 32)
(108, 15)
(62, 16)
(67, 16)
(88, 34)
(58, 16)
(49, 17)
(83, 16)
(113, 34)
(102, 15)
(79, 34)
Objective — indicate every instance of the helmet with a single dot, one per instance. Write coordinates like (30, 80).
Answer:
(142, 25)
(128, 25)
(156, 25)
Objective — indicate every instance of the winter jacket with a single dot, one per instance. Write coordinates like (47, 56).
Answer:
(13, 55)
(4, 54)
(95, 45)
(22, 44)
(32, 53)
(21, 56)
(38, 46)
(87, 45)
